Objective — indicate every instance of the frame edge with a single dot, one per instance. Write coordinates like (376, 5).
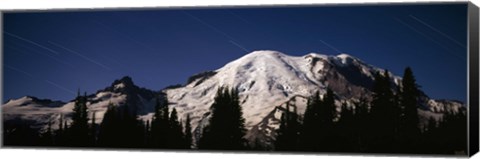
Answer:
(473, 66)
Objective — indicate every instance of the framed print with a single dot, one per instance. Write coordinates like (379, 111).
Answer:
(380, 79)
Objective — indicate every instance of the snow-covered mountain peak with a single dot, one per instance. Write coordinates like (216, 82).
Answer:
(315, 55)
(271, 53)
(119, 86)
(267, 81)
(31, 101)
(124, 86)
(254, 57)
(124, 82)
(18, 101)
(122, 92)
(344, 59)
(24, 98)
(344, 56)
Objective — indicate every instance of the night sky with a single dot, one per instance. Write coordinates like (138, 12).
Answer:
(52, 54)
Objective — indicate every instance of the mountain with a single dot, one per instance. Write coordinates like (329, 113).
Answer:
(267, 82)
(31, 110)
(122, 92)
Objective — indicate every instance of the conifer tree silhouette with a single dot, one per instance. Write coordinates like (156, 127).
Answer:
(226, 126)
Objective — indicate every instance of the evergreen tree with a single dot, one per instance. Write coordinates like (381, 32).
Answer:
(309, 137)
(65, 139)
(131, 128)
(147, 138)
(345, 130)
(160, 124)
(20, 135)
(93, 130)
(226, 125)
(409, 130)
(318, 132)
(108, 134)
(281, 142)
(47, 137)
(383, 115)
(60, 123)
(293, 129)
(454, 128)
(59, 132)
(79, 129)
(409, 99)
(188, 133)
(121, 128)
(431, 139)
(288, 133)
(175, 138)
(327, 114)
(362, 125)
(154, 125)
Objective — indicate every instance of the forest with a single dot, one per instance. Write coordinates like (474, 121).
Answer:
(388, 123)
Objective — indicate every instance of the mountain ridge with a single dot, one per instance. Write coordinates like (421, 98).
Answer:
(266, 80)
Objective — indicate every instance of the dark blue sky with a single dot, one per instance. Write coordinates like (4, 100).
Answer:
(52, 54)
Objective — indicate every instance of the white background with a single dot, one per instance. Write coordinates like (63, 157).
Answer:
(83, 154)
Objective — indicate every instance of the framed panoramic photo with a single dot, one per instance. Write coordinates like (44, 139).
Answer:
(388, 79)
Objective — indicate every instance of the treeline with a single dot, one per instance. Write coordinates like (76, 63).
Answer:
(120, 128)
(386, 123)
(389, 123)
